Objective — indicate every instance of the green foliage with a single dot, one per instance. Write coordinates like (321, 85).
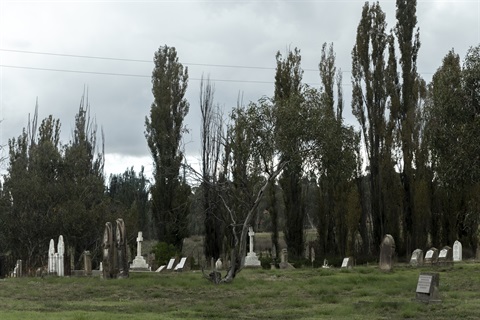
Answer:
(51, 190)
(164, 252)
(164, 129)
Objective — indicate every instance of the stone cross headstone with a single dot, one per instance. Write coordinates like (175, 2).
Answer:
(417, 258)
(61, 254)
(139, 243)
(251, 260)
(51, 261)
(427, 287)
(387, 253)
(431, 256)
(457, 251)
(139, 263)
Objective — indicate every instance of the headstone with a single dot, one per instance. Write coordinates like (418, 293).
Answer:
(457, 251)
(18, 269)
(122, 256)
(115, 258)
(417, 258)
(51, 253)
(170, 264)
(325, 264)
(218, 264)
(251, 260)
(445, 257)
(61, 254)
(181, 264)
(139, 263)
(431, 257)
(284, 260)
(428, 287)
(347, 263)
(87, 263)
(387, 253)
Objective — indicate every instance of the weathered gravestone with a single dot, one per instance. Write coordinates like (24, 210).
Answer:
(457, 251)
(387, 253)
(87, 263)
(417, 258)
(431, 257)
(139, 263)
(251, 260)
(284, 260)
(347, 263)
(115, 260)
(428, 287)
(445, 257)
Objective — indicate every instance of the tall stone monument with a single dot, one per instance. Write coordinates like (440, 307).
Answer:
(251, 260)
(139, 263)
(61, 254)
(115, 261)
(51, 254)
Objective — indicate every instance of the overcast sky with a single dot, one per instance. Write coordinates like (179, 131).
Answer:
(232, 41)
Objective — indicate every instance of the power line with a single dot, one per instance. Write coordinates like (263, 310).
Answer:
(138, 60)
(124, 74)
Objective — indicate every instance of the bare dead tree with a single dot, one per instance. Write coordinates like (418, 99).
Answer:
(239, 249)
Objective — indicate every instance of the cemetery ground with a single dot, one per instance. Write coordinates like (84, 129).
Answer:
(364, 292)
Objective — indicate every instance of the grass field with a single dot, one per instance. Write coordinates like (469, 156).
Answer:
(361, 293)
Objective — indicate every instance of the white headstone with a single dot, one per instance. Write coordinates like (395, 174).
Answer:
(218, 264)
(457, 251)
(61, 252)
(443, 253)
(139, 263)
(51, 253)
(181, 264)
(251, 259)
(170, 264)
(429, 254)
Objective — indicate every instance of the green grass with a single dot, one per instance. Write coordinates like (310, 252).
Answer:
(361, 293)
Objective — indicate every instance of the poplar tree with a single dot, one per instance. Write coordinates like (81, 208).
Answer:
(164, 129)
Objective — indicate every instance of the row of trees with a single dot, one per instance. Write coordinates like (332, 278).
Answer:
(53, 189)
(411, 170)
(282, 163)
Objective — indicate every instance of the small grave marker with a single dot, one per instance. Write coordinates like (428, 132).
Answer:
(427, 287)
(347, 263)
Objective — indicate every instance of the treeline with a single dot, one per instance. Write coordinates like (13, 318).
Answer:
(411, 168)
(53, 189)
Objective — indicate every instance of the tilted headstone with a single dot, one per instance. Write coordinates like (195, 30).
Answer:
(387, 253)
(170, 264)
(457, 251)
(417, 258)
(431, 257)
(347, 263)
(139, 263)
(428, 287)
(445, 257)
(284, 260)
